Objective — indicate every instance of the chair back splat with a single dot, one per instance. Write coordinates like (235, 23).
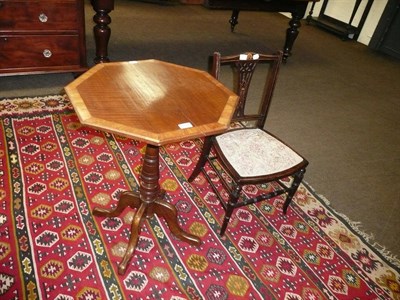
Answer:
(247, 154)
(243, 67)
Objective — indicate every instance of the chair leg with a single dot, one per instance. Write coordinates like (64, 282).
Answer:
(233, 199)
(297, 178)
(203, 158)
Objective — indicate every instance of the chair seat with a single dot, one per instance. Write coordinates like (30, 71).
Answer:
(253, 152)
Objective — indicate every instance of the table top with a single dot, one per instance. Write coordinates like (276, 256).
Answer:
(152, 101)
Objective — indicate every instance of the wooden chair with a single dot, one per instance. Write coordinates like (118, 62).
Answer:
(248, 153)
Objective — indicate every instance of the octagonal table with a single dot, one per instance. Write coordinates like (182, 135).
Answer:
(158, 103)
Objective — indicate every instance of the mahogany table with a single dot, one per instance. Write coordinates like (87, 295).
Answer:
(158, 103)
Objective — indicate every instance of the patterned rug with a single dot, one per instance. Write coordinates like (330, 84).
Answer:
(54, 171)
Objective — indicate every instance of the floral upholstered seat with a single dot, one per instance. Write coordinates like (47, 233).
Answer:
(254, 152)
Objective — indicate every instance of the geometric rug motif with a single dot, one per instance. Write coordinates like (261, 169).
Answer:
(54, 171)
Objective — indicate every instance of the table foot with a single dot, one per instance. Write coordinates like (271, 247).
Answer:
(234, 19)
(168, 212)
(133, 240)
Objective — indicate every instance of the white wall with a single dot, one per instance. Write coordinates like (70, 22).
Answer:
(341, 10)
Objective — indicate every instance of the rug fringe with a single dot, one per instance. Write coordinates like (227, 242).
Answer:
(357, 227)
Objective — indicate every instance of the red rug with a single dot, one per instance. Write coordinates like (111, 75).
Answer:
(54, 171)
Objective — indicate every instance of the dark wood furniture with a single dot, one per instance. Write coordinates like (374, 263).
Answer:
(101, 31)
(158, 103)
(297, 8)
(386, 35)
(42, 36)
(346, 30)
(248, 154)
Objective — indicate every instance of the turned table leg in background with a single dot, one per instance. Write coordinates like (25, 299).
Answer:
(291, 34)
(101, 30)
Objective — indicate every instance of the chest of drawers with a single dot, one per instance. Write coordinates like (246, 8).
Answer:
(42, 36)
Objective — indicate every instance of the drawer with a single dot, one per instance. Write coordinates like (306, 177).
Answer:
(21, 51)
(34, 15)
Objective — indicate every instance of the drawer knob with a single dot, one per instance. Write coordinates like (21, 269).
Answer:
(43, 18)
(47, 53)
